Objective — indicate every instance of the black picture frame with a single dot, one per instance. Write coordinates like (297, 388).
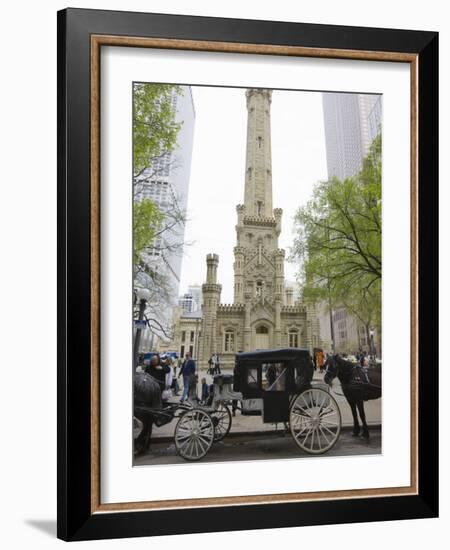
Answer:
(76, 521)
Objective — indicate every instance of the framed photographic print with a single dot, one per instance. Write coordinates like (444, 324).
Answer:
(247, 274)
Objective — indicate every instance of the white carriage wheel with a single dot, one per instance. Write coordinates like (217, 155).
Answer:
(194, 434)
(315, 421)
(222, 421)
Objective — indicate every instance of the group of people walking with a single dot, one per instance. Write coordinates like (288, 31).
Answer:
(363, 358)
(164, 370)
(320, 358)
(214, 364)
(167, 373)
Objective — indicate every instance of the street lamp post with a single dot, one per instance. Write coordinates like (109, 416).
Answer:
(197, 322)
(372, 345)
(330, 306)
(142, 297)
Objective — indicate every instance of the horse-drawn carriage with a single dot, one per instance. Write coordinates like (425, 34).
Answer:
(198, 425)
(274, 384)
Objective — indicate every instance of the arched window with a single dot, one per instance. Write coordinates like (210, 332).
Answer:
(262, 329)
(229, 340)
(293, 338)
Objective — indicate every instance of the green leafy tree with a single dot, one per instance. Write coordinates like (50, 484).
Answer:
(365, 306)
(338, 241)
(147, 221)
(155, 130)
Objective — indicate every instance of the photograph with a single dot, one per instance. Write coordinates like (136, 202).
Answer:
(257, 273)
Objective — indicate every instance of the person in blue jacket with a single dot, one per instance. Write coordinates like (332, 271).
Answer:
(187, 371)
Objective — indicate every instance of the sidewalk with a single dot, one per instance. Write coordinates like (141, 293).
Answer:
(254, 424)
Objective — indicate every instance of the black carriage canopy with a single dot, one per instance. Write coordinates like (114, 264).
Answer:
(286, 369)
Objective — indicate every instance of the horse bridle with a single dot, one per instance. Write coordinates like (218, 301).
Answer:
(331, 362)
(335, 365)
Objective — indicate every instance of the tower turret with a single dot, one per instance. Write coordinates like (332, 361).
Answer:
(211, 300)
(212, 261)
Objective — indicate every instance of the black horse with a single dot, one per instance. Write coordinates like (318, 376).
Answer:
(358, 385)
(147, 400)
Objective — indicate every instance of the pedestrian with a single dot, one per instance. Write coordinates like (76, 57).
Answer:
(210, 366)
(175, 386)
(218, 364)
(205, 391)
(215, 363)
(166, 360)
(187, 371)
(320, 359)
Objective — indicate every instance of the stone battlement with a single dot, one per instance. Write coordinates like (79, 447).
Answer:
(231, 308)
(212, 258)
(257, 220)
(293, 309)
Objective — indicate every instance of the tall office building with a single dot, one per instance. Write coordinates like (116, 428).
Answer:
(370, 116)
(196, 292)
(192, 299)
(186, 303)
(352, 121)
(166, 181)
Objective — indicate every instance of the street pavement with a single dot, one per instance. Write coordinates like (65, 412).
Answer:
(261, 446)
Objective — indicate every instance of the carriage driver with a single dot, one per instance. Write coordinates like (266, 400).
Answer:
(158, 369)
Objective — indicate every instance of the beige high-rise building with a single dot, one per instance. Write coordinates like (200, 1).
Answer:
(263, 314)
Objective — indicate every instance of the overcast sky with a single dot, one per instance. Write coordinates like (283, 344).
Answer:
(218, 170)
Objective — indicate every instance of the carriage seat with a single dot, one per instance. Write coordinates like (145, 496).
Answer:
(221, 379)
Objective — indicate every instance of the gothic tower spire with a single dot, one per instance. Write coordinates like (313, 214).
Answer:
(258, 166)
(259, 263)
